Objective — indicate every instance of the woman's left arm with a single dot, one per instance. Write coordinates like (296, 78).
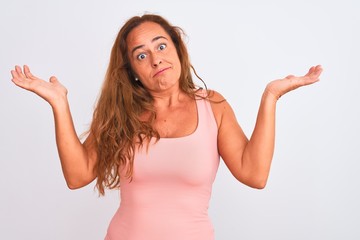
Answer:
(249, 160)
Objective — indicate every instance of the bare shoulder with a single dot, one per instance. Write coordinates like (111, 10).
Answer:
(219, 105)
(215, 96)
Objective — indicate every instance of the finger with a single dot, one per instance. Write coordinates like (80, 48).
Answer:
(14, 74)
(316, 72)
(319, 69)
(306, 80)
(19, 72)
(17, 80)
(53, 79)
(27, 72)
(311, 70)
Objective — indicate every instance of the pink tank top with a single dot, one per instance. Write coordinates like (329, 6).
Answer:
(168, 197)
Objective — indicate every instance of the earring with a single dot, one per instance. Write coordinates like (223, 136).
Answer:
(136, 79)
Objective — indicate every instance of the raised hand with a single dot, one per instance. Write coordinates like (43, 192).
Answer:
(77, 166)
(51, 91)
(279, 87)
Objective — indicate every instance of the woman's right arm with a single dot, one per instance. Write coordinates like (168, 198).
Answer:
(78, 160)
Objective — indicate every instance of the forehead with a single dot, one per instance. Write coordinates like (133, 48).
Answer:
(144, 33)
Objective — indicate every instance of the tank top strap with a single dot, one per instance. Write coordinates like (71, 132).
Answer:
(206, 119)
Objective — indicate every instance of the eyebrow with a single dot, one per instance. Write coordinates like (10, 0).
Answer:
(153, 40)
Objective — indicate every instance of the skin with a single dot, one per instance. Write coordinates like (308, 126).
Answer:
(155, 62)
(77, 160)
(154, 58)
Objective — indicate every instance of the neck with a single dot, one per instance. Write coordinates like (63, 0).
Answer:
(168, 99)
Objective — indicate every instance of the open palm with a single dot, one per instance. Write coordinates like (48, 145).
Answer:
(51, 91)
(282, 86)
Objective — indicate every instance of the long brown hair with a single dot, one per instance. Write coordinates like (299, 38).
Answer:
(116, 125)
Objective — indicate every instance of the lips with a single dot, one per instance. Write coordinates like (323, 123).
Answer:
(160, 71)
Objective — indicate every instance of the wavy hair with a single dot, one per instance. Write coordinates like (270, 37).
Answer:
(116, 125)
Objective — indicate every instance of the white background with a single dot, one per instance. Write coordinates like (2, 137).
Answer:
(237, 47)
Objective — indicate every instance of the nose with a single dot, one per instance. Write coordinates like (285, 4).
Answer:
(156, 61)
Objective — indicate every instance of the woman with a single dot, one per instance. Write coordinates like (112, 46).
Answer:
(158, 137)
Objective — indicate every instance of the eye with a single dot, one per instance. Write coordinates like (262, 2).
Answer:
(141, 56)
(162, 46)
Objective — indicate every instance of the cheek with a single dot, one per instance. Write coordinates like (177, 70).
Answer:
(175, 59)
(178, 65)
(139, 68)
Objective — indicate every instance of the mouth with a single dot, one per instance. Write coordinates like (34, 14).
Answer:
(161, 71)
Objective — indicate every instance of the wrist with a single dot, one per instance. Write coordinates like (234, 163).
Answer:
(269, 96)
(60, 103)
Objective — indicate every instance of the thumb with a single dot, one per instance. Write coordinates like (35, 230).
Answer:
(53, 79)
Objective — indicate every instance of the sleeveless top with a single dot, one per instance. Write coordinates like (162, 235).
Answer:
(168, 197)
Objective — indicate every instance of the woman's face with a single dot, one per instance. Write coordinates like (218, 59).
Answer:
(153, 57)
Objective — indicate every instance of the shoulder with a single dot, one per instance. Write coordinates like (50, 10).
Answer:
(215, 96)
(210, 95)
(219, 105)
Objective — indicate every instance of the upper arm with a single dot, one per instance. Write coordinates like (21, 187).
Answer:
(91, 162)
(89, 145)
(231, 138)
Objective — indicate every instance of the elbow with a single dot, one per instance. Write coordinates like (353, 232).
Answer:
(255, 182)
(74, 184)
(259, 185)
(259, 181)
